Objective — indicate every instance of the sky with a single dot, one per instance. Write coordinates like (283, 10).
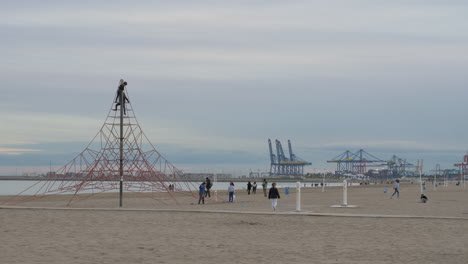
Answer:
(211, 81)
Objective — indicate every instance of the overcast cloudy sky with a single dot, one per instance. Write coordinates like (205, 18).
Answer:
(211, 81)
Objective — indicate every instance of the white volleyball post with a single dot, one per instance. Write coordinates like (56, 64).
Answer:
(420, 177)
(344, 204)
(215, 190)
(298, 196)
(345, 193)
(323, 182)
(463, 175)
(420, 182)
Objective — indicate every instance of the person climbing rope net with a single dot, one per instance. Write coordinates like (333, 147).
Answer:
(120, 93)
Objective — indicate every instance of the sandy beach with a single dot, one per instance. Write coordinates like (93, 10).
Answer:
(246, 231)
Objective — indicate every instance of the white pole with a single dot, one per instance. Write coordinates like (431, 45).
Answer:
(345, 193)
(323, 182)
(420, 181)
(216, 191)
(298, 196)
(463, 175)
(420, 177)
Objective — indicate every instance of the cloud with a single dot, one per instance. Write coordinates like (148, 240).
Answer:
(62, 152)
(16, 151)
(34, 127)
(224, 77)
(395, 16)
(390, 145)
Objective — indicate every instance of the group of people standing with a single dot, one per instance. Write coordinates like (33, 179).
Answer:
(171, 187)
(273, 193)
(204, 190)
(252, 187)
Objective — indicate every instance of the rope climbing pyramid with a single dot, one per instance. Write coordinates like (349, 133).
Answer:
(119, 158)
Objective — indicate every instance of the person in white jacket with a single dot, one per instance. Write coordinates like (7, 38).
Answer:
(231, 191)
(396, 188)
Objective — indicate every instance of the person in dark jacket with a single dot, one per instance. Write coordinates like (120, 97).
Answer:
(249, 187)
(208, 187)
(274, 195)
(121, 94)
(423, 198)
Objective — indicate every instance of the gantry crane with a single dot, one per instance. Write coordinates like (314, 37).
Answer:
(281, 165)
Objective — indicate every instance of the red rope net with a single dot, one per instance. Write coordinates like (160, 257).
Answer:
(97, 168)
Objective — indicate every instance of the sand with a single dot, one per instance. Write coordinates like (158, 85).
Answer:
(435, 232)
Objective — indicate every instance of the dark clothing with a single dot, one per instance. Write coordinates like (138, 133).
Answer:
(120, 93)
(208, 187)
(231, 197)
(273, 194)
(423, 198)
(125, 98)
(249, 187)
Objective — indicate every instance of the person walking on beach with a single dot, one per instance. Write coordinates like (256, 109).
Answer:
(201, 192)
(254, 188)
(265, 185)
(396, 187)
(423, 198)
(274, 195)
(249, 187)
(208, 187)
(231, 191)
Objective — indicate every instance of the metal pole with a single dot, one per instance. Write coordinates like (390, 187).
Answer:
(420, 181)
(345, 193)
(420, 178)
(121, 146)
(445, 180)
(323, 182)
(216, 190)
(463, 175)
(298, 196)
